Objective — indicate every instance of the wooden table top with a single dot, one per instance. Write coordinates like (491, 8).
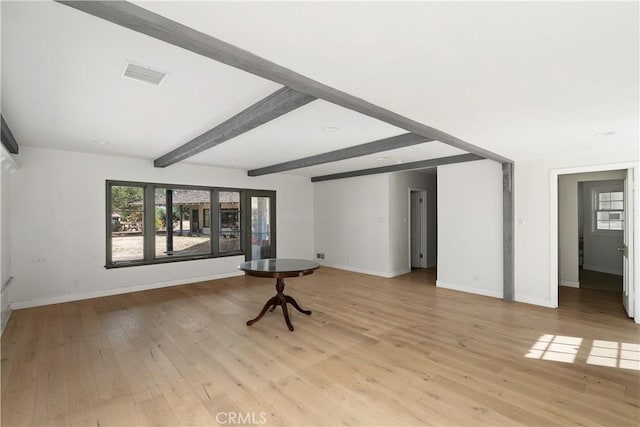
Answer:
(279, 267)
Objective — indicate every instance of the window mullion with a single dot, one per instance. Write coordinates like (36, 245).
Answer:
(149, 234)
(214, 212)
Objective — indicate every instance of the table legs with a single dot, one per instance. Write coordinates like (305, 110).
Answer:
(280, 299)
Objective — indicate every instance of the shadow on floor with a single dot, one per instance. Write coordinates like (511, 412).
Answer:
(600, 281)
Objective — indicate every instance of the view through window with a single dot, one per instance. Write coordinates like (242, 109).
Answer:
(183, 232)
(127, 219)
(153, 223)
(229, 213)
(610, 210)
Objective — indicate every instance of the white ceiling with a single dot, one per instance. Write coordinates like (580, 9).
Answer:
(300, 133)
(521, 79)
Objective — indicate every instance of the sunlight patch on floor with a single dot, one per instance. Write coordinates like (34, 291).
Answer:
(560, 348)
(614, 354)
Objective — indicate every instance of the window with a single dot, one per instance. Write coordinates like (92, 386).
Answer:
(155, 223)
(126, 215)
(260, 227)
(610, 210)
(181, 233)
(229, 214)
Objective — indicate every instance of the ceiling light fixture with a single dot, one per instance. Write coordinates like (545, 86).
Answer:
(379, 159)
(609, 133)
(330, 128)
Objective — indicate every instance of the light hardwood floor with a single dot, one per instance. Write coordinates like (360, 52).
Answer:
(384, 352)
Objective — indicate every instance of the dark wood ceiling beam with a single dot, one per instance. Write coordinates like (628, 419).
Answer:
(386, 144)
(144, 21)
(8, 140)
(273, 106)
(422, 164)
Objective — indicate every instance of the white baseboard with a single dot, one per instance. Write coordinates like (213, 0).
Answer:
(117, 291)
(569, 283)
(602, 269)
(399, 272)
(477, 291)
(535, 301)
(364, 271)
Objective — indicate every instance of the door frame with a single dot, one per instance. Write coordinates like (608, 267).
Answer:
(634, 265)
(423, 225)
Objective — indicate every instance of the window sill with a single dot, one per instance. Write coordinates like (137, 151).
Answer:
(170, 259)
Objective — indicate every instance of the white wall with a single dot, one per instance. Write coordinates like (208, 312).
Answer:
(399, 184)
(7, 165)
(57, 203)
(58, 224)
(470, 227)
(568, 222)
(432, 221)
(351, 224)
(601, 247)
(533, 219)
(532, 190)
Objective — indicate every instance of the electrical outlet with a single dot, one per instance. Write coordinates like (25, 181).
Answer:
(320, 255)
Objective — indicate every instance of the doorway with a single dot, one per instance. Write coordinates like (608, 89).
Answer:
(601, 208)
(418, 228)
(592, 234)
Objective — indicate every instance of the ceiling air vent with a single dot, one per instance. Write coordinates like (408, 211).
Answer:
(144, 74)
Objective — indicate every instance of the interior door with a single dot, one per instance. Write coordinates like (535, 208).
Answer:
(262, 230)
(627, 247)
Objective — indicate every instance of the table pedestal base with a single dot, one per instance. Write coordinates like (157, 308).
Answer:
(280, 299)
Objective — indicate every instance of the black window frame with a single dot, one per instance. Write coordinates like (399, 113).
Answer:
(149, 234)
